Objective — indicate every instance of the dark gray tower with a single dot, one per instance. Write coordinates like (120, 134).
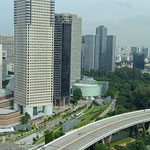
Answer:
(67, 54)
(102, 32)
(111, 48)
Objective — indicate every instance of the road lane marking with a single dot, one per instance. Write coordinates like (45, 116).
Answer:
(75, 140)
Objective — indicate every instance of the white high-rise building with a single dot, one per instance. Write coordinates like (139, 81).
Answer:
(33, 49)
(0, 66)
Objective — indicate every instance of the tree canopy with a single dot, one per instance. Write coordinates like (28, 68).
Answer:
(77, 94)
(133, 87)
(25, 119)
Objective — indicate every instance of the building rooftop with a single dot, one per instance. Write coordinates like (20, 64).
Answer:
(85, 85)
(6, 111)
(87, 80)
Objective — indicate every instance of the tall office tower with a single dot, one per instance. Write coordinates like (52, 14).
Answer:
(145, 51)
(4, 65)
(88, 55)
(102, 32)
(134, 50)
(8, 45)
(67, 53)
(111, 48)
(138, 60)
(0, 66)
(34, 48)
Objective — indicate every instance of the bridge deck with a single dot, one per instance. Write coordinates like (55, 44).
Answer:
(86, 136)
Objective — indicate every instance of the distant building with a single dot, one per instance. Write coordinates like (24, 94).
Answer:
(67, 53)
(134, 50)
(110, 54)
(98, 51)
(101, 50)
(0, 66)
(8, 45)
(4, 65)
(90, 87)
(145, 51)
(138, 60)
(9, 117)
(88, 55)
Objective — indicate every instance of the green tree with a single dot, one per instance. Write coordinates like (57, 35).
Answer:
(58, 134)
(101, 146)
(77, 94)
(48, 136)
(137, 145)
(117, 147)
(34, 139)
(25, 119)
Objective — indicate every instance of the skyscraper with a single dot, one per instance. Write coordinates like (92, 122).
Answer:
(134, 50)
(138, 61)
(8, 45)
(67, 53)
(34, 50)
(102, 32)
(98, 51)
(110, 54)
(145, 51)
(0, 66)
(88, 55)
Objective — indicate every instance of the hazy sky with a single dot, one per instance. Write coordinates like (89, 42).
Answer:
(129, 20)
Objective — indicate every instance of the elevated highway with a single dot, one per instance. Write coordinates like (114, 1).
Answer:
(88, 135)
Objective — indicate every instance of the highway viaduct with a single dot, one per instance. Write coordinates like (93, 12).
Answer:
(90, 134)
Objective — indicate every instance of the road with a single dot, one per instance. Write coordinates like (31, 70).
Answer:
(111, 106)
(29, 139)
(86, 136)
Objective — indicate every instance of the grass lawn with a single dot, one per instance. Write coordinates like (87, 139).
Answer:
(89, 116)
(122, 142)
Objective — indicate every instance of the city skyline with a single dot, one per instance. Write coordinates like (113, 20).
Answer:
(123, 19)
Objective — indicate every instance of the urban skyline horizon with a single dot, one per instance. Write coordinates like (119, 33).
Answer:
(122, 28)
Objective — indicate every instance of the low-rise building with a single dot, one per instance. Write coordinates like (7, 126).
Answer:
(90, 87)
(9, 117)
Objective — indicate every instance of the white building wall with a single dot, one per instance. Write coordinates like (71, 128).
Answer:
(34, 38)
(76, 42)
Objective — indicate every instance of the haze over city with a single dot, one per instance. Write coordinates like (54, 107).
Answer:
(128, 19)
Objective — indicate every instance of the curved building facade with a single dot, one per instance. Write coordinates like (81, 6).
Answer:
(88, 90)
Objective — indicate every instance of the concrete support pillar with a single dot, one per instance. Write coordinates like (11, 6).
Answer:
(148, 130)
(48, 110)
(103, 141)
(144, 129)
(131, 131)
(60, 102)
(55, 101)
(29, 110)
(64, 102)
(109, 139)
(16, 107)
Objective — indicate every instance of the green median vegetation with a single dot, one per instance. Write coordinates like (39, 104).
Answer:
(88, 118)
